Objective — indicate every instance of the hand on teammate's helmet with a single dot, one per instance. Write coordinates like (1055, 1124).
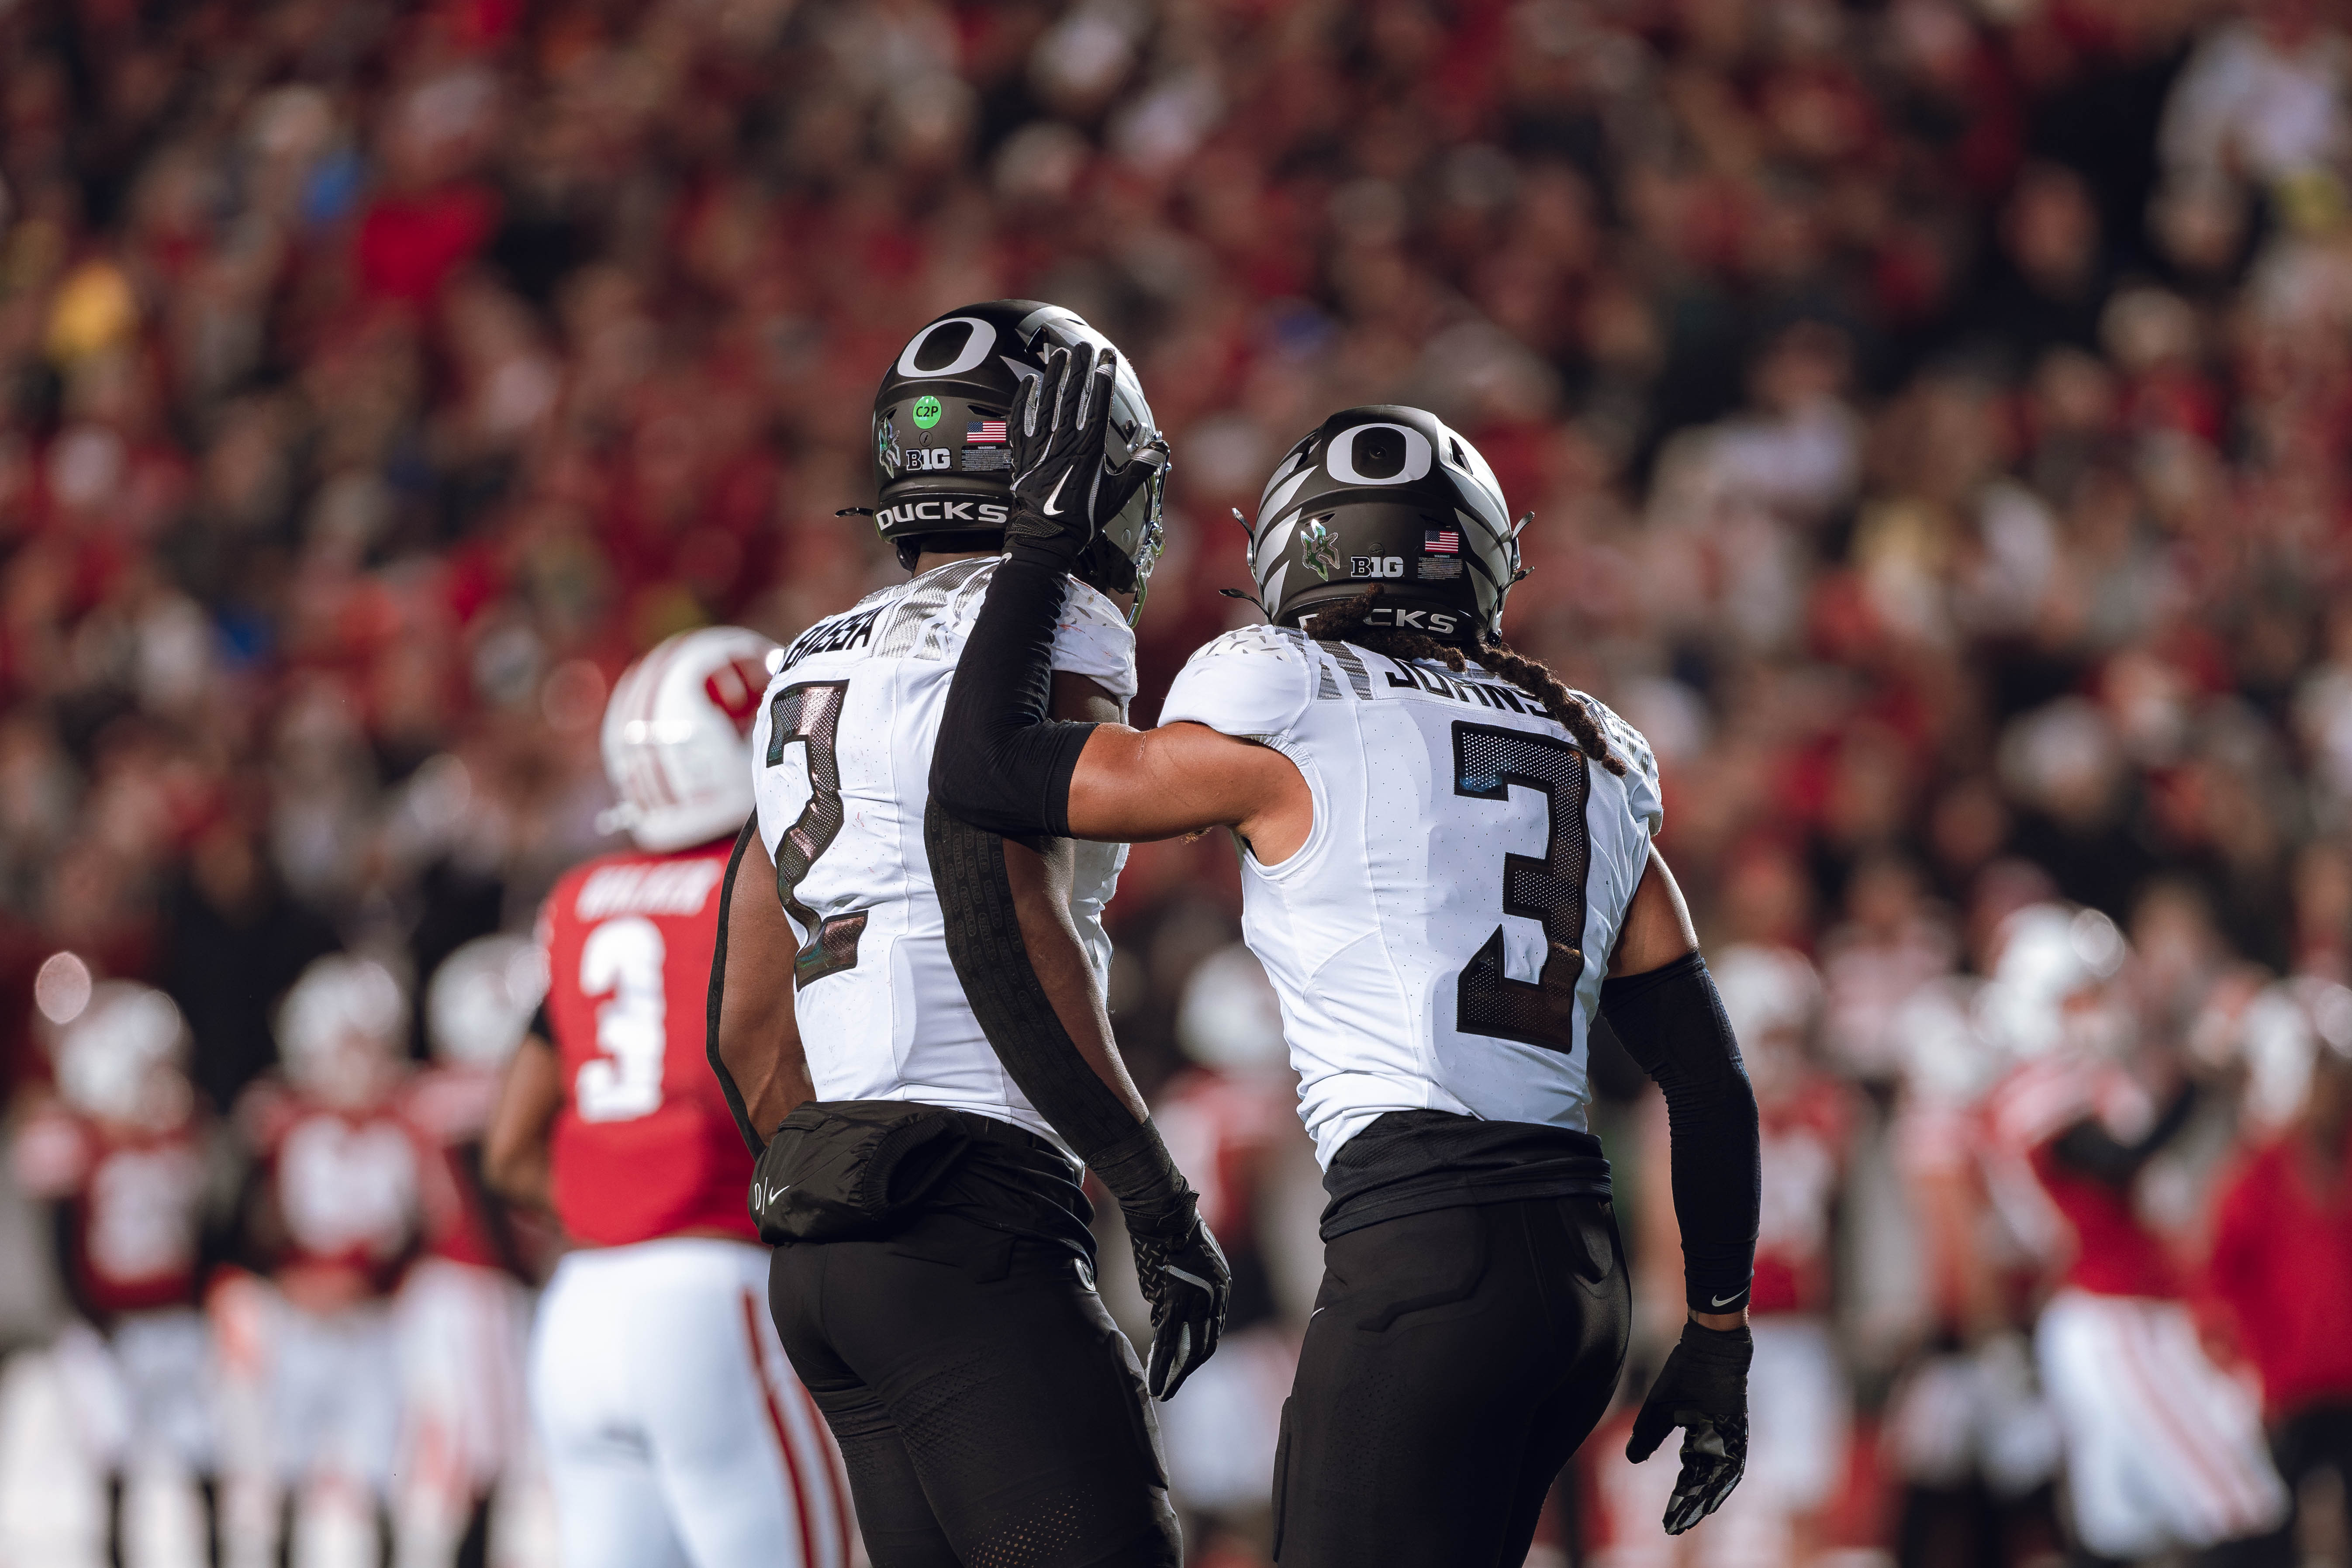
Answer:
(1062, 478)
(1703, 1388)
(1184, 1278)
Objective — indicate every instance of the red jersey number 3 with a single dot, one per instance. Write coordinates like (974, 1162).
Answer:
(621, 975)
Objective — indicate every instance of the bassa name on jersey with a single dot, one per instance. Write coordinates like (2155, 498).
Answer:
(831, 636)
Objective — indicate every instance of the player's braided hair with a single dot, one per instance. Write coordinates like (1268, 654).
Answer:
(1345, 622)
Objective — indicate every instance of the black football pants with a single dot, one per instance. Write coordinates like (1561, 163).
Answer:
(1453, 1361)
(989, 1411)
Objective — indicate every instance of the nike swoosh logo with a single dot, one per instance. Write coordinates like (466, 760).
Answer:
(1193, 1280)
(1735, 1296)
(1050, 509)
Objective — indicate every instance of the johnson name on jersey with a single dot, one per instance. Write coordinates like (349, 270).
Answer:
(1440, 940)
(842, 756)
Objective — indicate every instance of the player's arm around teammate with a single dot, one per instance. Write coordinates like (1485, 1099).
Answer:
(1426, 1483)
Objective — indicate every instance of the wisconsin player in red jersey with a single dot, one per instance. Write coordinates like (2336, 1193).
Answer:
(675, 1432)
(2162, 1449)
(338, 1216)
(121, 1152)
(464, 1316)
(2280, 1267)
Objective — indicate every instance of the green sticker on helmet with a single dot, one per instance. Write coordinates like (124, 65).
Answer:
(927, 410)
(1319, 548)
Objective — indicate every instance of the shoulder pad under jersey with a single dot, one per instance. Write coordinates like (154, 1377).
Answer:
(1092, 639)
(1644, 794)
(1252, 682)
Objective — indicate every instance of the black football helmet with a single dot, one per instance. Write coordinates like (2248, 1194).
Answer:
(1388, 495)
(942, 456)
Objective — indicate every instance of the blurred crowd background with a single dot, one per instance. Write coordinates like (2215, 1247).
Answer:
(1933, 414)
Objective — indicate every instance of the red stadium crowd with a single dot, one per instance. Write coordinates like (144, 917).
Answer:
(1933, 417)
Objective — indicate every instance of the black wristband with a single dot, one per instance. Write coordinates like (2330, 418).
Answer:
(1142, 1175)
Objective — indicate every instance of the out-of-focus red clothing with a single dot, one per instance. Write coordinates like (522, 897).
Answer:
(408, 246)
(2114, 1252)
(1804, 1137)
(2282, 1264)
(450, 1106)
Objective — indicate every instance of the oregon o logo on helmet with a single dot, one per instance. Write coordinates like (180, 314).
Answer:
(1341, 457)
(981, 338)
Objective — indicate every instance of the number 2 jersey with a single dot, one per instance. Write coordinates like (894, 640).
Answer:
(842, 755)
(644, 1145)
(1439, 942)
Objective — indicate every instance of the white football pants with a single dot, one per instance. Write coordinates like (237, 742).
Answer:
(2163, 1450)
(676, 1436)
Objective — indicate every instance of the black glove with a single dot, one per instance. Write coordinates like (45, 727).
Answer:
(1063, 486)
(1703, 1388)
(1185, 1276)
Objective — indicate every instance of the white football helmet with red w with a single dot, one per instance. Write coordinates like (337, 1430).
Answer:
(676, 735)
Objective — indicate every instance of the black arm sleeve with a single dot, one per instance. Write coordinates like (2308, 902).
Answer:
(1672, 1022)
(2089, 1148)
(1001, 763)
(735, 1106)
(983, 936)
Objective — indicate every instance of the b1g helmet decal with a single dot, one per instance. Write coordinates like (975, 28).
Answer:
(1388, 495)
(943, 455)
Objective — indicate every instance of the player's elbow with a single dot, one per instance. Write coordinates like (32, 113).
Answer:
(506, 1168)
(968, 784)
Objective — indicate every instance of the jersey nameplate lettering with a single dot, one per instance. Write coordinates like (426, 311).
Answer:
(676, 887)
(1421, 678)
(853, 631)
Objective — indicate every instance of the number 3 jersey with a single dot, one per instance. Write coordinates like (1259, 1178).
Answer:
(1439, 942)
(841, 753)
(644, 1145)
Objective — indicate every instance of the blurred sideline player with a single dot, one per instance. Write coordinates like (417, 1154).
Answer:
(2162, 1449)
(1798, 1399)
(1231, 1122)
(121, 1152)
(674, 1431)
(463, 1312)
(338, 1215)
(1966, 1428)
(1394, 802)
(889, 973)
(2281, 1258)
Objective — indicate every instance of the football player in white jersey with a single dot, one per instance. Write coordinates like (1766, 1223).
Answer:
(1448, 875)
(934, 1277)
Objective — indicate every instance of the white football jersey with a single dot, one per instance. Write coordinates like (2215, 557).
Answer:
(1460, 839)
(841, 760)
